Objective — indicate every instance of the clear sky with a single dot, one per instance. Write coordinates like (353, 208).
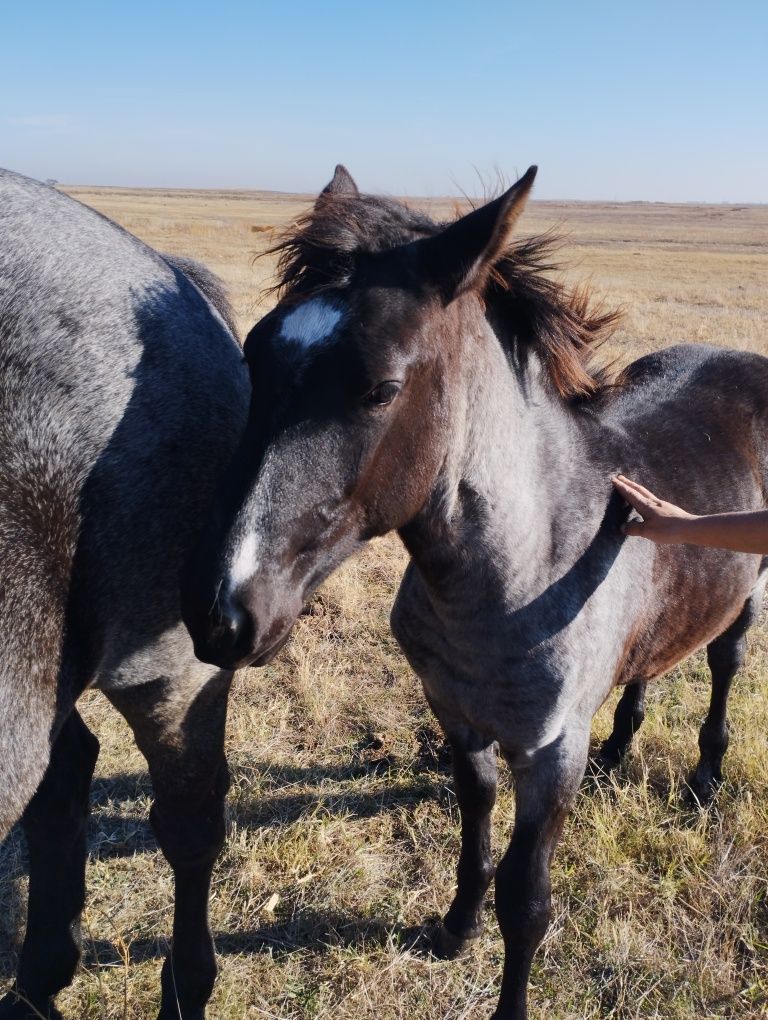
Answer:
(614, 100)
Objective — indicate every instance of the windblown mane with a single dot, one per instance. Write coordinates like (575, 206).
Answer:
(565, 325)
(319, 250)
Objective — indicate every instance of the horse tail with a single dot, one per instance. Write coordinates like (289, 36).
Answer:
(39, 524)
(209, 285)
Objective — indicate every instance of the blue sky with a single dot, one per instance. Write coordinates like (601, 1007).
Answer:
(650, 100)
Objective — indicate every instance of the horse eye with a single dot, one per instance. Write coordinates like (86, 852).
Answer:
(383, 394)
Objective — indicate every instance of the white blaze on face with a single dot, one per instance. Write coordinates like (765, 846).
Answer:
(244, 561)
(310, 323)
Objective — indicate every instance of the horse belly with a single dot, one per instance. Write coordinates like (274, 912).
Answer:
(696, 600)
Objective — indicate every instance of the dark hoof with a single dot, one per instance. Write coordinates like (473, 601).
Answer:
(174, 1012)
(447, 946)
(701, 788)
(14, 1008)
(608, 758)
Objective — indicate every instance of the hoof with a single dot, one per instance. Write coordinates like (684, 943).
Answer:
(14, 1008)
(447, 946)
(701, 788)
(608, 758)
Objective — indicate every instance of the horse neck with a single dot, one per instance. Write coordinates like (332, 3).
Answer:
(513, 469)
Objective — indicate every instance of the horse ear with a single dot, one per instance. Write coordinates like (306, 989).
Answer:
(341, 183)
(461, 256)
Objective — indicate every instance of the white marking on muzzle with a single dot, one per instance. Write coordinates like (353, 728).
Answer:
(311, 323)
(244, 561)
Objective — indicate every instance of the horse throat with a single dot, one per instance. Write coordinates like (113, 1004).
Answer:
(511, 466)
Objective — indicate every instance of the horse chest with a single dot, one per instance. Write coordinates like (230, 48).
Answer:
(475, 674)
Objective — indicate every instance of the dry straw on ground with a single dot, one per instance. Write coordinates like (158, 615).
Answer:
(343, 828)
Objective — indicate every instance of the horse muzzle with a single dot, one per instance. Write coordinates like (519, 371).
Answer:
(241, 628)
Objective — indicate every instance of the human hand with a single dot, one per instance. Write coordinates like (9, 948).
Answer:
(662, 522)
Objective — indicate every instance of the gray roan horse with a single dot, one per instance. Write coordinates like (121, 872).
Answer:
(433, 379)
(122, 392)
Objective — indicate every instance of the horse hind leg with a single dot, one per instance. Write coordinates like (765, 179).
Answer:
(725, 656)
(627, 720)
(27, 718)
(54, 824)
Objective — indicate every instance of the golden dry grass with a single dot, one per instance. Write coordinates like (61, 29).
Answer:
(343, 829)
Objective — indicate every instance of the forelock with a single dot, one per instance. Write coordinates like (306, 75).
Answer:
(319, 251)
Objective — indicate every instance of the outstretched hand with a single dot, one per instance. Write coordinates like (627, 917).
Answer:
(661, 521)
(745, 531)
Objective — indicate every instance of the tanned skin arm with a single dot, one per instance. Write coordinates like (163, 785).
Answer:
(668, 524)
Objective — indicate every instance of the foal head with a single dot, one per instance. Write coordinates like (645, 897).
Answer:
(354, 373)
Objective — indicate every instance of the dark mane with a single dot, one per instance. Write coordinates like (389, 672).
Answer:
(566, 325)
(318, 252)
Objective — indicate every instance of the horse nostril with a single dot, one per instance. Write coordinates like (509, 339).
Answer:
(232, 621)
(222, 626)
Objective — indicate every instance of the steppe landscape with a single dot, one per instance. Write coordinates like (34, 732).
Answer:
(343, 827)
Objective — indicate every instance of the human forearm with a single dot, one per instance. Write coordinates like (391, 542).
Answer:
(740, 532)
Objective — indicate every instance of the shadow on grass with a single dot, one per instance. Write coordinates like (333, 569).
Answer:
(670, 791)
(118, 827)
(285, 808)
(363, 787)
(307, 931)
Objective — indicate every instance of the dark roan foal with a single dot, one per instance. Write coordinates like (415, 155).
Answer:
(435, 380)
(122, 392)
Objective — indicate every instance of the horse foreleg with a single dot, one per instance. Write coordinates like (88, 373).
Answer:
(54, 824)
(545, 791)
(475, 774)
(179, 727)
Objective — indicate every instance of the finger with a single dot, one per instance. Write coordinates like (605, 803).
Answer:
(624, 483)
(637, 487)
(634, 498)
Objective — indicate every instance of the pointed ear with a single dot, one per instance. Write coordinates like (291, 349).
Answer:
(340, 184)
(461, 256)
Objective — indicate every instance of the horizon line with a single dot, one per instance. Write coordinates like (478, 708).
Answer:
(407, 197)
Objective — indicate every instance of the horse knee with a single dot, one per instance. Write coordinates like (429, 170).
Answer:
(190, 825)
(523, 907)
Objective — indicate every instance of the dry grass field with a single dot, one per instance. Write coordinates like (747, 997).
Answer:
(343, 827)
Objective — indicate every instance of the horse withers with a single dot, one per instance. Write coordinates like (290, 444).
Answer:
(433, 379)
(122, 392)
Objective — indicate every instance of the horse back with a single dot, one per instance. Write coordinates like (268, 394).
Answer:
(690, 423)
(694, 420)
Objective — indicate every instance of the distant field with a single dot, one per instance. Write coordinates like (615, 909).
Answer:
(343, 831)
(695, 272)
